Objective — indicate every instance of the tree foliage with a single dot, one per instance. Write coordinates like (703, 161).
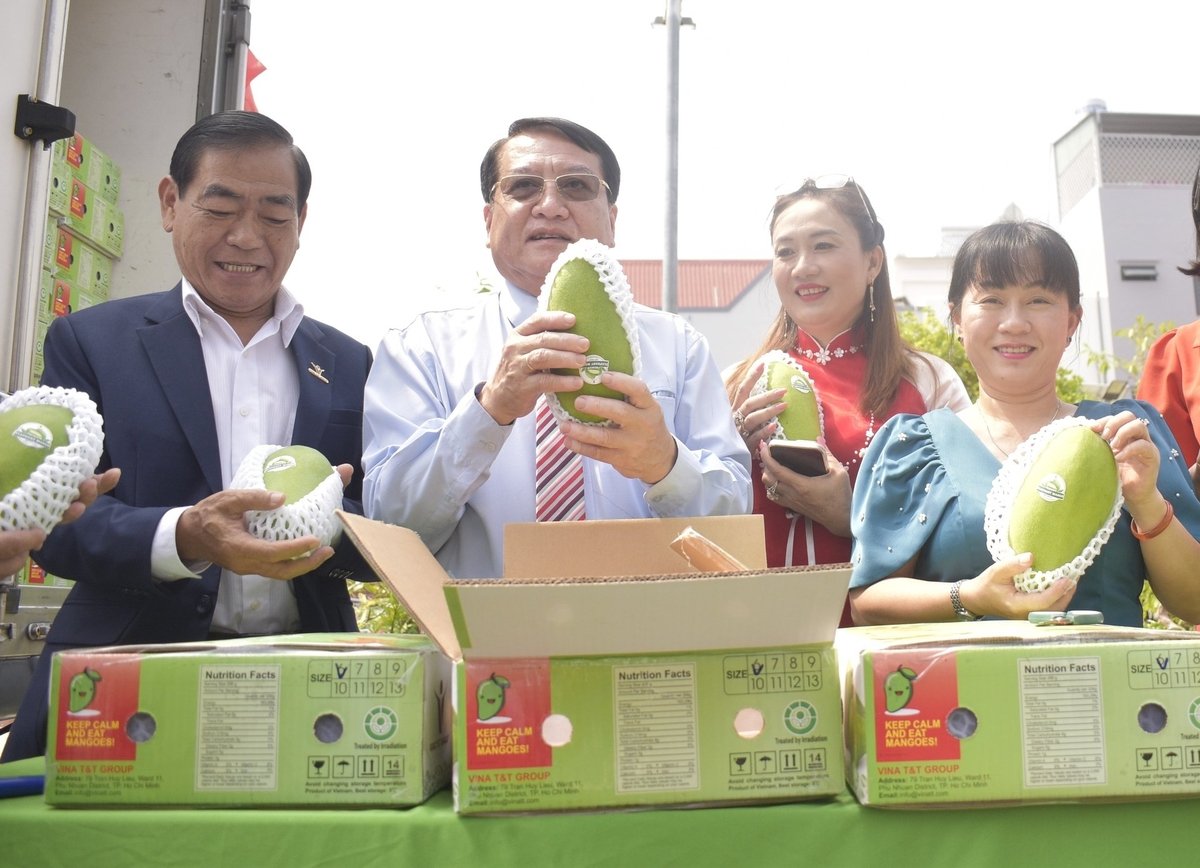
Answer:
(378, 611)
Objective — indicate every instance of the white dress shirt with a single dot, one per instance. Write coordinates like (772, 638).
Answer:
(437, 463)
(254, 389)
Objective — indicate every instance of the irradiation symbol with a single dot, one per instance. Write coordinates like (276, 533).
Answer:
(800, 717)
(381, 723)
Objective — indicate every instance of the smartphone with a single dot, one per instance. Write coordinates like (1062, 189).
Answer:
(802, 456)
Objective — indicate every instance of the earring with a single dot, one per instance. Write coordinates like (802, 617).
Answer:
(871, 299)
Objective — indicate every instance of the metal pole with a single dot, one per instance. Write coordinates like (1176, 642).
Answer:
(671, 244)
(37, 198)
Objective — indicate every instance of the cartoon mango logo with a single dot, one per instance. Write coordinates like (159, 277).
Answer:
(898, 688)
(81, 689)
(490, 696)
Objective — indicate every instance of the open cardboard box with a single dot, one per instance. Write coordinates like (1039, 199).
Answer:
(316, 720)
(602, 672)
(1006, 711)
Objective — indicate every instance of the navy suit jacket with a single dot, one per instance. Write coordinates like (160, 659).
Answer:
(141, 362)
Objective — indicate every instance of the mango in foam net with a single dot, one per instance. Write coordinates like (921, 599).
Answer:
(51, 440)
(1058, 497)
(587, 281)
(803, 419)
(311, 486)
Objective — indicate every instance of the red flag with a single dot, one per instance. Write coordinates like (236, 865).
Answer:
(253, 68)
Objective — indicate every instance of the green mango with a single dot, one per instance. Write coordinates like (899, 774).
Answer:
(802, 418)
(1065, 498)
(295, 471)
(27, 435)
(578, 289)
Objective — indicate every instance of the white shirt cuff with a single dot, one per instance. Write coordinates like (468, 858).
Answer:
(165, 564)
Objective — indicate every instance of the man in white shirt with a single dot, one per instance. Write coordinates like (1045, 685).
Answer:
(188, 381)
(448, 424)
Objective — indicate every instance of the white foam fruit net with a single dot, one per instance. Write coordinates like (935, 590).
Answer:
(312, 515)
(761, 386)
(41, 500)
(998, 512)
(613, 279)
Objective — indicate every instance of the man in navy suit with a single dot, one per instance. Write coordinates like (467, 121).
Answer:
(188, 381)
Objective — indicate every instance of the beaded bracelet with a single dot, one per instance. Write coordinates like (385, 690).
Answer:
(1138, 533)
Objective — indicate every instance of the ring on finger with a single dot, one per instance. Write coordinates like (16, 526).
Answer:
(773, 490)
(739, 422)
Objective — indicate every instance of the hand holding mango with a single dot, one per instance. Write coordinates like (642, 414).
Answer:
(802, 417)
(529, 363)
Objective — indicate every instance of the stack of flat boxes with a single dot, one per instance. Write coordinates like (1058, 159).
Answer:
(85, 235)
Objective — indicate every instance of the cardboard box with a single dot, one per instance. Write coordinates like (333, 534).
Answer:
(60, 186)
(33, 575)
(73, 260)
(1006, 711)
(95, 219)
(317, 720)
(602, 673)
(80, 158)
(58, 297)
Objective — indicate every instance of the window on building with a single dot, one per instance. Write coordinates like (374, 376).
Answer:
(1139, 272)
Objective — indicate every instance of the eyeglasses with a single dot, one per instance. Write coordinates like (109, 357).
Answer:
(836, 182)
(576, 187)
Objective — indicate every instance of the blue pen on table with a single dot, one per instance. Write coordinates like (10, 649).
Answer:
(28, 785)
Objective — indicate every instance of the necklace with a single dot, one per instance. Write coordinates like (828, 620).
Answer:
(823, 355)
(988, 428)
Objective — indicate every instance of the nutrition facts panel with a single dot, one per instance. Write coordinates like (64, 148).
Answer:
(773, 672)
(656, 728)
(357, 679)
(1062, 724)
(1164, 667)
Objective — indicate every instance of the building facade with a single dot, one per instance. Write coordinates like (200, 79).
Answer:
(1124, 186)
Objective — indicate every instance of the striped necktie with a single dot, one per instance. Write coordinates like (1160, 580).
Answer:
(558, 481)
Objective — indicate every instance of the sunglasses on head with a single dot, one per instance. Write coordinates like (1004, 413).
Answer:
(837, 182)
(574, 187)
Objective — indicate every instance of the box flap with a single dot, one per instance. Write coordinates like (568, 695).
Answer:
(407, 567)
(597, 615)
(626, 547)
(696, 612)
(854, 640)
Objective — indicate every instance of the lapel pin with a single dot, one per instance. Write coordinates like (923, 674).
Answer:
(317, 371)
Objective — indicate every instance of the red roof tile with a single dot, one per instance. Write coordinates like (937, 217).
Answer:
(703, 284)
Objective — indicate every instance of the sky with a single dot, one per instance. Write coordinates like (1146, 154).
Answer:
(944, 112)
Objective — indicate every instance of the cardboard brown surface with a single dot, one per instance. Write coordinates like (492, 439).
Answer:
(688, 613)
(580, 614)
(405, 565)
(630, 547)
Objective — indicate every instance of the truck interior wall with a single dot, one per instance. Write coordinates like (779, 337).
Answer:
(131, 74)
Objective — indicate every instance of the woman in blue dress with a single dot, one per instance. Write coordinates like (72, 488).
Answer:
(920, 548)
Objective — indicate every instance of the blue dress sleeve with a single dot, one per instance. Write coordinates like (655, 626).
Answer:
(901, 495)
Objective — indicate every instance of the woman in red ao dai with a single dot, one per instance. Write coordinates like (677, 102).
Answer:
(837, 321)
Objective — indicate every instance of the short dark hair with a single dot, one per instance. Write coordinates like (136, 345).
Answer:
(1015, 253)
(489, 169)
(236, 130)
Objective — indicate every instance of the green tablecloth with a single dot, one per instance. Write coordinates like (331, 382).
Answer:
(824, 834)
